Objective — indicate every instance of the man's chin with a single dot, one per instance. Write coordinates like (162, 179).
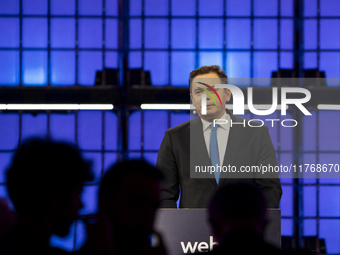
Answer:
(210, 116)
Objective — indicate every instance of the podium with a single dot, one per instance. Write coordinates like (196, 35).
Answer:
(188, 230)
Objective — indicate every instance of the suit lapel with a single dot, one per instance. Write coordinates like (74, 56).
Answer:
(234, 143)
(198, 150)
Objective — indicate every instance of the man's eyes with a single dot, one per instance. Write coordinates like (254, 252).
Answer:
(200, 91)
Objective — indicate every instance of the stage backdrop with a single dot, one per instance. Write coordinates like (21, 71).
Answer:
(59, 43)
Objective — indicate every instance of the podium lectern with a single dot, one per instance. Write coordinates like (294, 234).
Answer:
(188, 230)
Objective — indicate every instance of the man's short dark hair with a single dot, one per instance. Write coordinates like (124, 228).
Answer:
(238, 201)
(113, 178)
(41, 170)
(205, 70)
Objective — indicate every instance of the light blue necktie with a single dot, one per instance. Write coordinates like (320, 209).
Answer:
(214, 154)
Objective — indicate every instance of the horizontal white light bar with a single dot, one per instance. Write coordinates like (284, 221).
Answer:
(165, 106)
(56, 106)
(188, 106)
(329, 106)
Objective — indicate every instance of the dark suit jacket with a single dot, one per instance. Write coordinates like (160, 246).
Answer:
(183, 147)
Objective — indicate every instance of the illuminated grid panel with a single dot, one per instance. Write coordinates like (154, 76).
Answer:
(321, 37)
(57, 42)
(321, 197)
(144, 143)
(232, 33)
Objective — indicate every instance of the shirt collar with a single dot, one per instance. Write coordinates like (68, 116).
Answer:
(206, 124)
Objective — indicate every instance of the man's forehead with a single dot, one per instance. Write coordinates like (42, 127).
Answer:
(201, 82)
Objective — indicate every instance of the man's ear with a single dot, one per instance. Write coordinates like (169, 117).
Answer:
(192, 101)
(228, 94)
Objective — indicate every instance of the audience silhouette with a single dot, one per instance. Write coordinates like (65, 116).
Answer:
(238, 217)
(129, 197)
(44, 182)
(235, 209)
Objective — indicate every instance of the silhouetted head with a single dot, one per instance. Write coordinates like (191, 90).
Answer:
(237, 207)
(45, 181)
(129, 196)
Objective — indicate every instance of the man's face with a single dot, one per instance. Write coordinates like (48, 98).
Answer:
(213, 111)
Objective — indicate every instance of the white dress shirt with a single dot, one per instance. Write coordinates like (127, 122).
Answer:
(222, 136)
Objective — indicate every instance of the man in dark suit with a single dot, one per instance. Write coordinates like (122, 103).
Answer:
(188, 148)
